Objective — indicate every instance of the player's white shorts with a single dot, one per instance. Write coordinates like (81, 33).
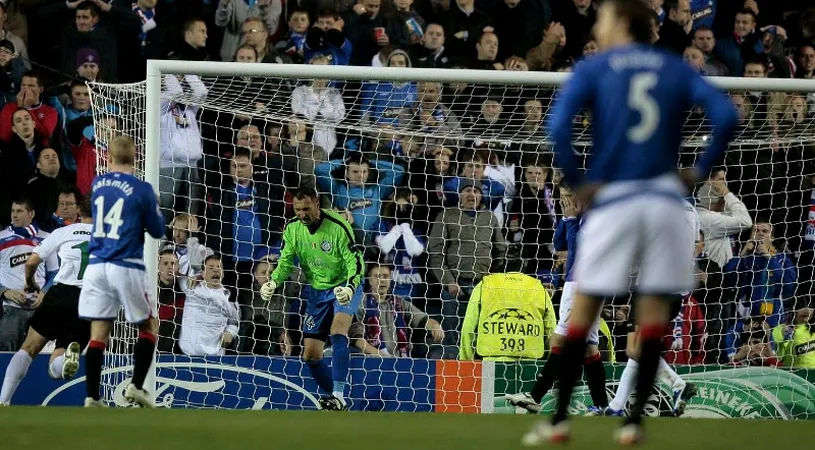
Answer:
(636, 225)
(566, 298)
(107, 288)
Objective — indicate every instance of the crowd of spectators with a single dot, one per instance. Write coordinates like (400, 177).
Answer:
(443, 182)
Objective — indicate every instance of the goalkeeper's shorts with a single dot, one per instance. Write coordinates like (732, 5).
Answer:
(320, 310)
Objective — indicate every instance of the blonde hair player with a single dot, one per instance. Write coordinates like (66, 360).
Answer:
(123, 208)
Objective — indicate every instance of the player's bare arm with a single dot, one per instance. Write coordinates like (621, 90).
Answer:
(31, 266)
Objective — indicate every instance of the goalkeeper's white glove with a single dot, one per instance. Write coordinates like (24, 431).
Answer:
(267, 290)
(343, 294)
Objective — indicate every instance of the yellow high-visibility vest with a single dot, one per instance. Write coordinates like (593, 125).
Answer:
(509, 316)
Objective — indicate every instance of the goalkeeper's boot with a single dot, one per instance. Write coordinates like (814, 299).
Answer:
(91, 403)
(681, 397)
(138, 396)
(4, 404)
(331, 403)
(629, 434)
(545, 433)
(523, 401)
(594, 411)
(71, 364)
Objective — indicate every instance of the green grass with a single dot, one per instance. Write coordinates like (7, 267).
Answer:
(122, 429)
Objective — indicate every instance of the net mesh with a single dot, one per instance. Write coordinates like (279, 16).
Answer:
(394, 159)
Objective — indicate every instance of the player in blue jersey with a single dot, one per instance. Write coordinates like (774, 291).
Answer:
(124, 207)
(639, 98)
(566, 240)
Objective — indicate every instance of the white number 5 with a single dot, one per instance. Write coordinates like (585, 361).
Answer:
(640, 100)
(112, 218)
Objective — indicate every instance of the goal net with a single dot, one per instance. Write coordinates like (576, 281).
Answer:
(445, 176)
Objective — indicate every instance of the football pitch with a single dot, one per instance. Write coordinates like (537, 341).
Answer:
(74, 428)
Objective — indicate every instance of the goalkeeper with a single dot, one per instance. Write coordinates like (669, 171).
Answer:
(331, 261)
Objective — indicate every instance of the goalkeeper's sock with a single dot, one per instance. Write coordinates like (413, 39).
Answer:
(55, 368)
(596, 379)
(573, 352)
(16, 370)
(667, 374)
(321, 374)
(627, 381)
(651, 350)
(93, 368)
(143, 353)
(547, 376)
(340, 357)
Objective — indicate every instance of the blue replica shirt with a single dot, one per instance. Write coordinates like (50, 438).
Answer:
(363, 203)
(246, 229)
(702, 12)
(639, 97)
(566, 240)
(384, 102)
(123, 207)
(764, 283)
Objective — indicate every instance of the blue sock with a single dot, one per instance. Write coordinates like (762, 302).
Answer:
(339, 362)
(321, 374)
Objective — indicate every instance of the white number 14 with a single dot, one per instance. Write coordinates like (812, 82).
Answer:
(112, 218)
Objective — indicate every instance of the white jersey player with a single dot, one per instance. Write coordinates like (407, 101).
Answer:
(56, 318)
(16, 244)
(123, 208)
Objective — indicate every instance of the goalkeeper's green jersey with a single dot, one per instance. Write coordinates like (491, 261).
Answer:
(327, 252)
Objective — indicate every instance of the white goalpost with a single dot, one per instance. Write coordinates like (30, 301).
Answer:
(422, 134)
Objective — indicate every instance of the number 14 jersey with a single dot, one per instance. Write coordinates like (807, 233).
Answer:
(124, 207)
(70, 244)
